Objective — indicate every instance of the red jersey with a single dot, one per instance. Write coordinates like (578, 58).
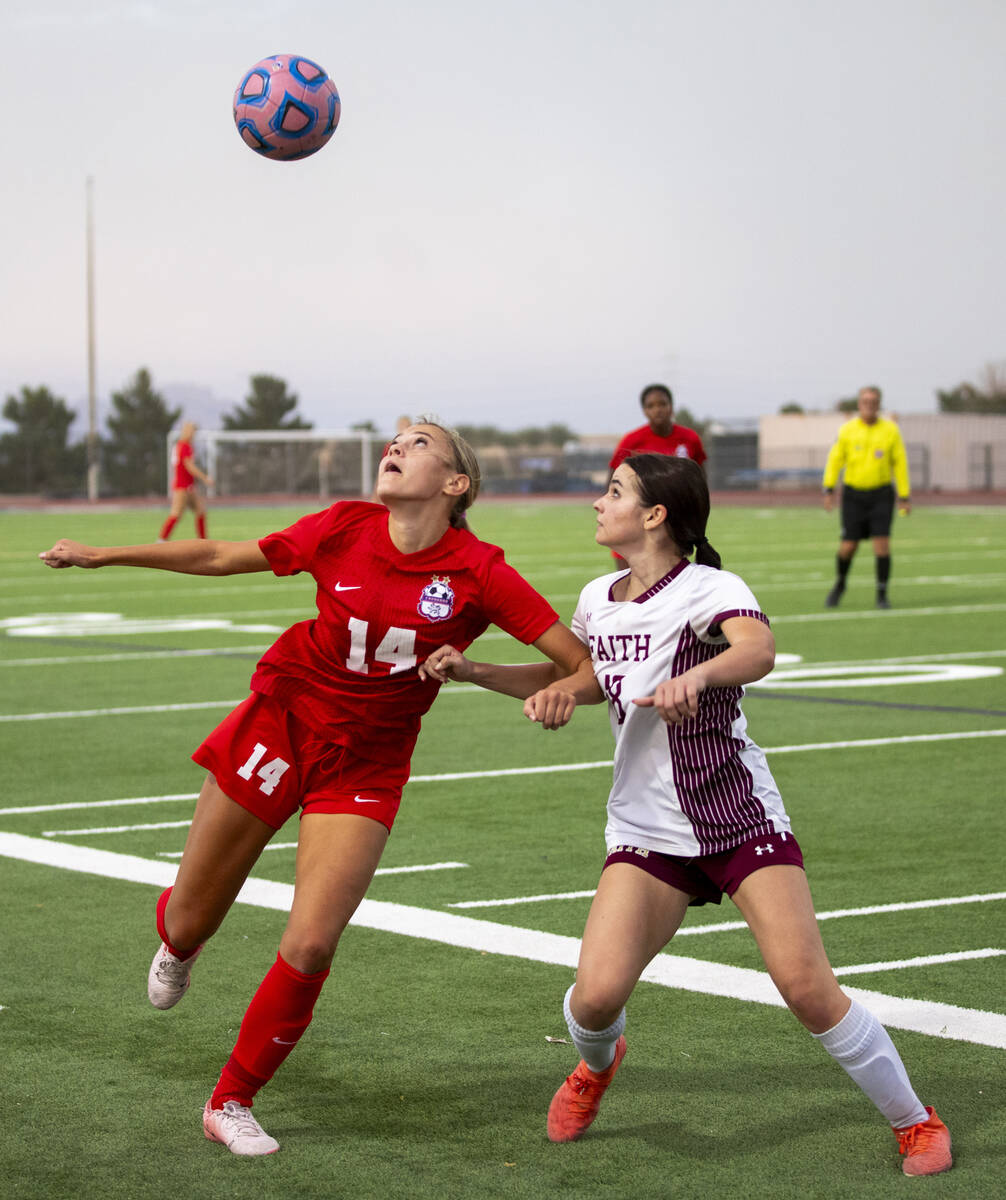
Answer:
(180, 455)
(681, 442)
(351, 673)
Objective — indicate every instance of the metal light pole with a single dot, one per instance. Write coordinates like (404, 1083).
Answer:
(92, 400)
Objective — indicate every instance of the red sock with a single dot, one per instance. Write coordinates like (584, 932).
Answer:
(200, 526)
(167, 527)
(162, 904)
(279, 1013)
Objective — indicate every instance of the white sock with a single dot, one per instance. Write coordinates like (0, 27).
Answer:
(861, 1045)
(597, 1047)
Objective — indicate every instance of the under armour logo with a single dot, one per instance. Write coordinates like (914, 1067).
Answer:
(767, 849)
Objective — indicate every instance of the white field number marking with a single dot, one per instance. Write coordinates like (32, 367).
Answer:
(873, 675)
(106, 624)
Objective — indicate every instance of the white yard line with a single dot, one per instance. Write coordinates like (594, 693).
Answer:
(729, 926)
(911, 658)
(888, 741)
(859, 614)
(131, 710)
(413, 870)
(140, 709)
(66, 660)
(51, 833)
(550, 769)
(673, 971)
(79, 804)
(784, 583)
(511, 901)
(235, 589)
(924, 960)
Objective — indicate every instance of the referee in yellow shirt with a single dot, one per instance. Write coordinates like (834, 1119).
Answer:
(871, 453)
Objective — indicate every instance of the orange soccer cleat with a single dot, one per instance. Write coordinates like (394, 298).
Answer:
(926, 1146)
(575, 1104)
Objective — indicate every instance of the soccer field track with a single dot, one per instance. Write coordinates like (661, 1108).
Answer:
(885, 730)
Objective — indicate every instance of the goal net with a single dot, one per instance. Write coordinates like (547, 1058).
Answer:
(317, 462)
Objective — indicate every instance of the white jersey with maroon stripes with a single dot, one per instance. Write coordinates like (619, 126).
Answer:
(691, 789)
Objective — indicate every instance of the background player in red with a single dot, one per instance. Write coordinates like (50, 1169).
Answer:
(660, 435)
(184, 493)
(329, 728)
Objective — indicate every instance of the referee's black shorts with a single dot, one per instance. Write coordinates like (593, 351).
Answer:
(867, 514)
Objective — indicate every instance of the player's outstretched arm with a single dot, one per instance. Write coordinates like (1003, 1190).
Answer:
(518, 680)
(190, 556)
(749, 656)
(551, 689)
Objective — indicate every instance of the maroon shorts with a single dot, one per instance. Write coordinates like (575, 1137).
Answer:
(268, 761)
(706, 878)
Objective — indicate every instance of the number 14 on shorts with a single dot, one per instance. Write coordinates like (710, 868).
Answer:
(270, 774)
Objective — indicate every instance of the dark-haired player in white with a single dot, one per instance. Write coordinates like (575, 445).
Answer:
(694, 811)
(329, 728)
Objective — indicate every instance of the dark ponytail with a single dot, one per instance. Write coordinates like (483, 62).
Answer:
(679, 484)
(705, 554)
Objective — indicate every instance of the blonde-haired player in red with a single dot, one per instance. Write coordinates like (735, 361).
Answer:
(329, 727)
(693, 812)
(184, 493)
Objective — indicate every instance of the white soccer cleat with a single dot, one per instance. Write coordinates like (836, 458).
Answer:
(233, 1126)
(168, 978)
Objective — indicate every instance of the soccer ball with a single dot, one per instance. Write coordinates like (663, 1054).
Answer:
(286, 107)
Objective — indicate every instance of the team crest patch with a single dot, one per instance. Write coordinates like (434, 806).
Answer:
(437, 601)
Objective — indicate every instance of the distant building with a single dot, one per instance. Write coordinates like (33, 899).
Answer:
(947, 452)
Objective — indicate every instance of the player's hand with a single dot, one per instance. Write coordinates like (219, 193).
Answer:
(675, 700)
(446, 663)
(69, 554)
(552, 707)
(905, 507)
(828, 501)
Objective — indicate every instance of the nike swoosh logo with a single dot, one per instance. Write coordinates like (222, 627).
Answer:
(282, 1043)
(364, 800)
(348, 587)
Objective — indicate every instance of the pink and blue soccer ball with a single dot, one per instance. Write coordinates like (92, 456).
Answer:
(286, 107)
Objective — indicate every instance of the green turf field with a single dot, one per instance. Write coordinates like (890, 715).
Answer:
(427, 1071)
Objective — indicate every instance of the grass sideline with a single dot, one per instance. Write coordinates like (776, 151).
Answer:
(426, 1072)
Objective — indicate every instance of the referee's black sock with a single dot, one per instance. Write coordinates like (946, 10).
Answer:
(842, 566)
(883, 574)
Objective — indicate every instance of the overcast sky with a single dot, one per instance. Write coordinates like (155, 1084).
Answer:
(529, 209)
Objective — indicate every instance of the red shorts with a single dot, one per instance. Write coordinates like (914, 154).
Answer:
(268, 761)
(705, 879)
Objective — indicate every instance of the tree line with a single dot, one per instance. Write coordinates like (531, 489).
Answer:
(37, 456)
(988, 396)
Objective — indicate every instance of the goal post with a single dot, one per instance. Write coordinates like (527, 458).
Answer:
(324, 463)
